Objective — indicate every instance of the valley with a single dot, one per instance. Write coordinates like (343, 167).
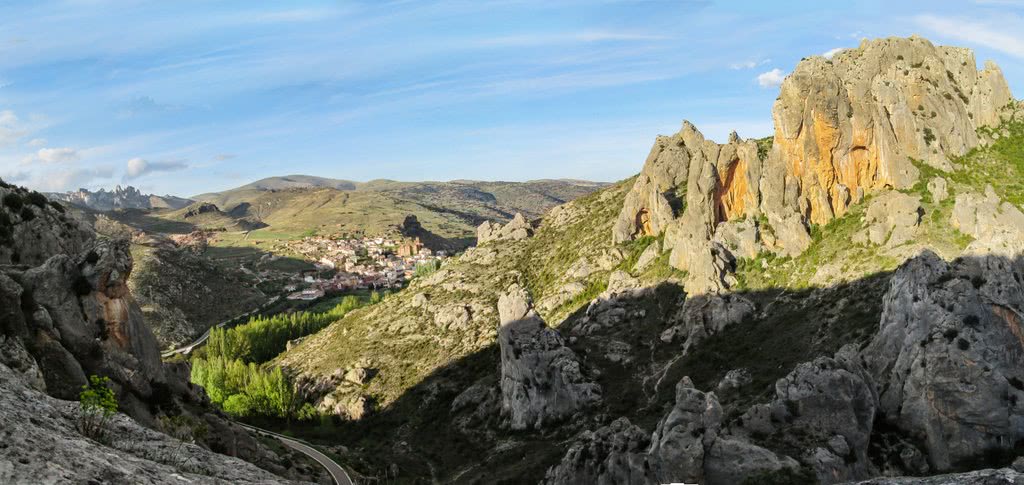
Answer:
(840, 302)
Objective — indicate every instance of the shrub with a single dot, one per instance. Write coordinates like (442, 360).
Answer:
(98, 404)
(13, 201)
(929, 136)
(38, 200)
(27, 214)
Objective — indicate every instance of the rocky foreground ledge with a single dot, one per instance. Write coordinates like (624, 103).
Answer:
(40, 444)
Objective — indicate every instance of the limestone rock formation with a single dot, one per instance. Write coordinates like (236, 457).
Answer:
(685, 448)
(518, 228)
(32, 230)
(844, 127)
(892, 219)
(1003, 476)
(42, 444)
(997, 227)
(851, 124)
(541, 378)
(948, 360)
(827, 408)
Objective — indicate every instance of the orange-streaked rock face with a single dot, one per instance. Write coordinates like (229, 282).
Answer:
(732, 191)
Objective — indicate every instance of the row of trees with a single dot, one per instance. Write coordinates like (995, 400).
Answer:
(263, 338)
(246, 389)
(230, 366)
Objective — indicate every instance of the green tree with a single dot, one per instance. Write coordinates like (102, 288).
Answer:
(98, 404)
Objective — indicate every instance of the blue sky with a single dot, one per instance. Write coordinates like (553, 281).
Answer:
(185, 97)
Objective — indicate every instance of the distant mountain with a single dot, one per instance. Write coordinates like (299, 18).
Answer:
(120, 198)
(299, 203)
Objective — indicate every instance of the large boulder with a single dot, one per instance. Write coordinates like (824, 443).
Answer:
(541, 379)
(611, 455)
(516, 229)
(948, 359)
(892, 219)
(997, 227)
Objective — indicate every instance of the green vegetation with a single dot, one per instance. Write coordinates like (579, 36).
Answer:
(263, 338)
(1000, 164)
(426, 268)
(13, 201)
(764, 146)
(97, 404)
(245, 389)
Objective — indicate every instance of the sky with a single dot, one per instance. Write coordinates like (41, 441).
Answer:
(186, 97)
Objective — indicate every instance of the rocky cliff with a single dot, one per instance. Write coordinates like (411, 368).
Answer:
(845, 128)
(66, 313)
(120, 198)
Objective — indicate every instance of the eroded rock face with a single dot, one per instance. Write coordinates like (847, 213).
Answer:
(997, 227)
(78, 318)
(844, 127)
(42, 445)
(892, 219)
(541, 378)
(33, 233)
(852, 123)
(948, 360)
(685, 448)
(518, 228)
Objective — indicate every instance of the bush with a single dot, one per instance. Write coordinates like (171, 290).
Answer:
(98, 404)
(38, 200)
(27, 214)
(13, 201)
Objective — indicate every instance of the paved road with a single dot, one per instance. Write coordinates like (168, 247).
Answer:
(202, 339)
(337, 472)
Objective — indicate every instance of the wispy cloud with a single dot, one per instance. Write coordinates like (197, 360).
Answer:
(736, 66)
(11, 129)
(771, 79)
(138, 167)
(539, 39)
(1007, 37)
(57, 155)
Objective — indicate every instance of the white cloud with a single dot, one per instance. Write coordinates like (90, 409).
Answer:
(57, 155)
(748, 64)
(63, 180)
(771, 79)
(37, 142)
(1007, 39)
(583, 37)
(138, 167)
(831, 53)
(11, 129)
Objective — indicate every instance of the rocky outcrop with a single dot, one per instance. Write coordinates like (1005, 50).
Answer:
(78, 315)
(518, 228)
(120, 198)
(851, 124)
(844, 127)
(1004, 476)
(825, 408)
(702, 316)
(32, 229)
(686, 447)
(948, 359)
(892, 219)
(42, 444)
(541, 379)
(997, 227)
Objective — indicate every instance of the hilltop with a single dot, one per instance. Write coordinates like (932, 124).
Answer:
(836, 302)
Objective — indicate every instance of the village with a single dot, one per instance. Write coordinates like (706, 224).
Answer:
(349, 264)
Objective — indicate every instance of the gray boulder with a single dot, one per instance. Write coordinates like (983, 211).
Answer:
(516, 229)
(892, 219)
(948, 359)
(541, 379)
(997, 227)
